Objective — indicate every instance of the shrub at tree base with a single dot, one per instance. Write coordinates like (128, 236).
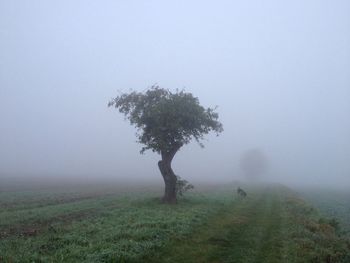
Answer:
(182, 186)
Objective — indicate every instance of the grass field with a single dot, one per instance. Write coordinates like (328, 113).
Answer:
(130, 225)
(331, 204)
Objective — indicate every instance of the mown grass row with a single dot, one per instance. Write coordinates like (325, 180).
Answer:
(35, 198)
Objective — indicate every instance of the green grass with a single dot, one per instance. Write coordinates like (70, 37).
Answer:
(105, 229)
(271, 225)
(247, 231)
(331, 204)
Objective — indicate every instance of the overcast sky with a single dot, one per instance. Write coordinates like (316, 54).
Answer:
(279, 72)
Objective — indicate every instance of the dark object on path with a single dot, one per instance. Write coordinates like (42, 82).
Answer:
(241, 192)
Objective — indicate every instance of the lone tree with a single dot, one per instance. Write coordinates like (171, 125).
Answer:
(253, 163)
(166, 121)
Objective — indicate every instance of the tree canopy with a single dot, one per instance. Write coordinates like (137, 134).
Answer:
(165, 120)
(254, 163)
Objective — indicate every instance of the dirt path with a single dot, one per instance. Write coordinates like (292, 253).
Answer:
(249, 230)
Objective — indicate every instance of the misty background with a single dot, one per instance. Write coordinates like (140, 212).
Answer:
(279, 72)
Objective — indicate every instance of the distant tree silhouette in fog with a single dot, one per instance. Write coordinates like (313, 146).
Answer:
(253, 163)
(165, 122)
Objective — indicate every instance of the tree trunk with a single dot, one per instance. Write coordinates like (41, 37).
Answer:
(169, 180)
(168, 176)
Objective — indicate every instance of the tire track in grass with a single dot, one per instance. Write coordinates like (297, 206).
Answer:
(248, 231)
(35, 225)
(271, 242)
(259, 239)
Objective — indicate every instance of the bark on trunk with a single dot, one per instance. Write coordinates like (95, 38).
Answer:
(168, 176)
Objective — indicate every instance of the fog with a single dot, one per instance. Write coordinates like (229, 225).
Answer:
(279, 72)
